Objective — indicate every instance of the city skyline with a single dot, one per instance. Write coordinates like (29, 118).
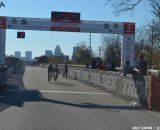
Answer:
(38, 41)
(55, 52)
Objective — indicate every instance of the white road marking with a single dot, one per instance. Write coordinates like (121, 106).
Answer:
(60, 92)
(73, 92)
(158, 115)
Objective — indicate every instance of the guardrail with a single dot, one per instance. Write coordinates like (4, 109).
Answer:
(132, 88)
(6, 73)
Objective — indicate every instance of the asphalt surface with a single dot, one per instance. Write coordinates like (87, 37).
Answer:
(31, 103)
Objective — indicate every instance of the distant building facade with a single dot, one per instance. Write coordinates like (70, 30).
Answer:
(48, 53)
(17, 54)
(65, 59)
(57, 51)
(75, 49)
(28, 55)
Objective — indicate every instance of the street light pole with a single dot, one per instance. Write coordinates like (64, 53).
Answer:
(90, 46)
(152, 44)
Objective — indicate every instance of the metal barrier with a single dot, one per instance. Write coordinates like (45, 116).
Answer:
(5, 74)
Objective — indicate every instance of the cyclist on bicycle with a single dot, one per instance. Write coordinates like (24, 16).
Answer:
(50, 71)
(65, 74)
(56, 72)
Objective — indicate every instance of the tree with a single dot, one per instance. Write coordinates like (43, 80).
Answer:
(129, 5)
(11, 60)
(43, 59)
(142, 41)
(111, 44)
(2, 4)
(82, 55)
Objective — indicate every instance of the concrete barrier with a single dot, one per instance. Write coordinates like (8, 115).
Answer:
(130, 88)
(5, 74)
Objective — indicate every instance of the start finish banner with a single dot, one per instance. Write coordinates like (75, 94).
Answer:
(70, 22)
(127, 49)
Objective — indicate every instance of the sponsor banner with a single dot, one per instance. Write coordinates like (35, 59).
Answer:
(68, 27)
(129, 28)
(102, 27)
(28, 23)
(127, 49)
(68, 17)
(21, 23)
(2, 22)
(2, 46)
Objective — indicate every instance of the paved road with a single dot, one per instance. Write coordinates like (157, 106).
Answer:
(31, 103)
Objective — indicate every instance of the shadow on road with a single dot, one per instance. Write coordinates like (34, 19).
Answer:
(17, 95)
(62, 83)
(18, 98)
(15, 83)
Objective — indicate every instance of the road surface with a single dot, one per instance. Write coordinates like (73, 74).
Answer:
(31, 103)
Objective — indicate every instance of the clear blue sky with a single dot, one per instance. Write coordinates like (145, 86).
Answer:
(38, 41)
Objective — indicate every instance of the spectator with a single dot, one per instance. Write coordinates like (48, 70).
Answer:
(127, 69)
(142, 66)
(65, 74)
(94, 63)
(100, 65)
(87, 65)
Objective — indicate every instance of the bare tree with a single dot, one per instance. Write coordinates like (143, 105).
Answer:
(82, 55)
(156, 7)
(129, 5)
(111, 44)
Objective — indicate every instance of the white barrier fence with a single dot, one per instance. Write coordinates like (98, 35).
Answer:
(130, 88)
(5, 74)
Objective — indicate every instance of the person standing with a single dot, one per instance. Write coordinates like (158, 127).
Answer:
(50, 72)
(56, 72)
(65, 74)
(142, 66)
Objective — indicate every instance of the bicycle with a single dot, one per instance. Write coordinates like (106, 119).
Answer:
(50, 75)
(56, 73)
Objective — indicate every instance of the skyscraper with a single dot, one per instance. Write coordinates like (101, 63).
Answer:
(48, 53)
(17, 54)
(28, 55)
(57, 51)
(75, 49)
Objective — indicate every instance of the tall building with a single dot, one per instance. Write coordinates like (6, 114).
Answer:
(57, 51)
(48, 53)
(17, 54)
(28, 55)
(65, 59)
(75, 49)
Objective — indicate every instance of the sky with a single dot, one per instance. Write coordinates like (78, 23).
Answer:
(39, 41)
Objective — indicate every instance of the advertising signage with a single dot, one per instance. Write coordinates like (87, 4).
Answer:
(129, 28)
(70, 17)
(2, 22)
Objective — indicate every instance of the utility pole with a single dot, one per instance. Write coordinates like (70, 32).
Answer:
(152, 42)
(90, 45)
(99, 51)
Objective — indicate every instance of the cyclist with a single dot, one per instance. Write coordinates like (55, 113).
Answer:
(56, 72)
(50, 72)
(65, 74)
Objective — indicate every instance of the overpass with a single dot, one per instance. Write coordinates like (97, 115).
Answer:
(30, 102)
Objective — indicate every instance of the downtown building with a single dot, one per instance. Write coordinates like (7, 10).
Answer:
(28, 55)
(75, 49)
(48, 53)
(17, 54)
